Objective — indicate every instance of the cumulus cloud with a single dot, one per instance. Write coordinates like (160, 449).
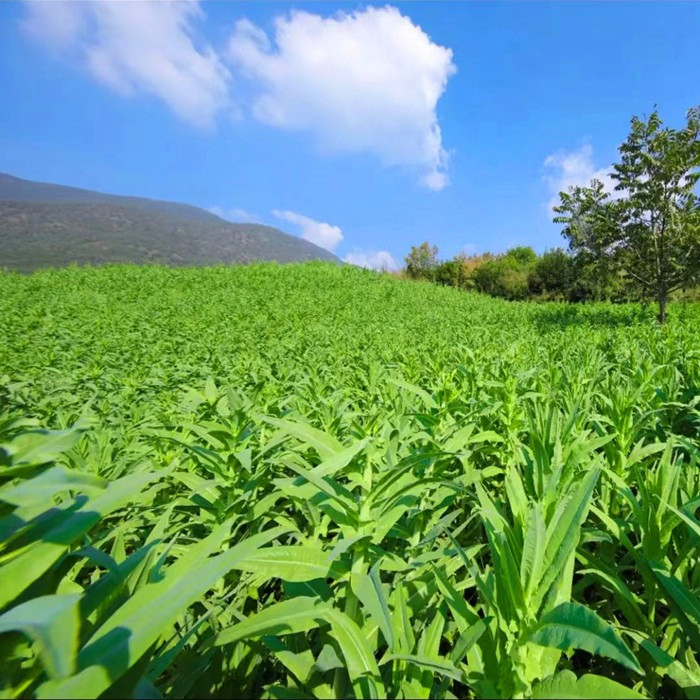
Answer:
(138, 47)
(575, 168)
(367, 81)
(372, 259)
(239, 216)
(317, 232)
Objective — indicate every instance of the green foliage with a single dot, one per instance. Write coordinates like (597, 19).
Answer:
(421, 262)
(450, 274)
(557, 275)
(459, 272)
(359, 487)
(523, 255)
(652, 232)
(506, 275)
(553, 275)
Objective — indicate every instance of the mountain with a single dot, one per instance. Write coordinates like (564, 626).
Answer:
(47, 225)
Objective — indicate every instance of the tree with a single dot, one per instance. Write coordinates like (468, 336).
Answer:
(502, 276)
(468, 264)
(448, 273)
(524, 255)
(598, 280)
(652, 233)
(552, 275)
(422, 261)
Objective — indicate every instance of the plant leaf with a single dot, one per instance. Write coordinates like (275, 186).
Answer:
(565, 685)
(573, 626)
(52, 622)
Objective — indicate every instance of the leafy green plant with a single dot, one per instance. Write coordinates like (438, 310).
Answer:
(315, 481)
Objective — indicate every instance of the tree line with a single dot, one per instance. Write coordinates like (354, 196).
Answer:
(640, 241)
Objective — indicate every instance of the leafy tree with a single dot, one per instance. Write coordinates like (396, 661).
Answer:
(448, 273)
(598, 280)
(467, 266)
(506, 275)
(502, 277)
(651, 234)
(422, 261)
(552, 275)
(523, 255)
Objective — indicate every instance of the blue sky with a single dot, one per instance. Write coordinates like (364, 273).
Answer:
(367, 128)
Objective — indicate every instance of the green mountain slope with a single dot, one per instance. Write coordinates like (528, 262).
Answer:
(15, 189)
(44, 225)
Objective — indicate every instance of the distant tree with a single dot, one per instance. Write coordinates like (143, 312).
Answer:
(524, 255)
(502, 276)
(467, 265)
(552, 275)
(422, 261)
(652, 234)
(448, 273)
(506, 275)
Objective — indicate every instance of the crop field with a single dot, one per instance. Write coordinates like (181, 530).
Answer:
(315, 481)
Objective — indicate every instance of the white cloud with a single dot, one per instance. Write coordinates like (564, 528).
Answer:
(367, 81)
(138, 47)
(235, 215)
(361, 82)
(317, 232)
(372, 259)
(56, 24)
(575, 168)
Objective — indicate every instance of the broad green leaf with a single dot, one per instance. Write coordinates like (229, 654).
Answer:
(123, 639)
(486, 436)
(341, 460)
(404, 637)
(287, 617)
(290, 563)
(43, 487)
(687, 518)
(52, 623)
(641, 452)
(368, 589)
(468, 639)
(533, 550)
(463, 616)
(301, 663)
(684, 602)
(326, 445)
(573, 626)
(563, 535)
(342, 546)
(40, 446)
(565, 685)
(424, 395)
(359, 660)
(326, 485)
(37, 559)
(441, 666)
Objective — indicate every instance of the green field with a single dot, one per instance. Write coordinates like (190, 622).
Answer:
(318, 481)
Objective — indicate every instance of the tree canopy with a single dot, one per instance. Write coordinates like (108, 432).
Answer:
(650, 231)
(422, 261)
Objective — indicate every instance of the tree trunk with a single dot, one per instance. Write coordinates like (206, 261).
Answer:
(662, 307)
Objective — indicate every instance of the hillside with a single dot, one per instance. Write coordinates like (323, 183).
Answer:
(44, 225)
(16, 189)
